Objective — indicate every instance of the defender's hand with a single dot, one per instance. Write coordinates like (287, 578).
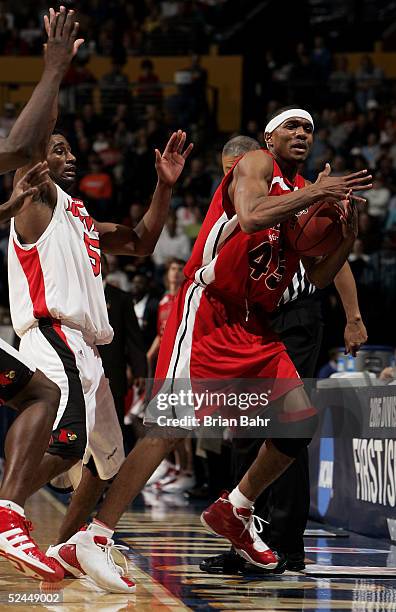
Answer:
(27, 187)
(170, 164)
(62, 44)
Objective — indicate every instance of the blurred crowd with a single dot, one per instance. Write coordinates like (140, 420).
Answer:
(169, 27)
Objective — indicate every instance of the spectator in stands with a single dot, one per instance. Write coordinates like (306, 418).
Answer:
(96, 188)
(196, 88)
(368, 80)
(378, 199)
(91, 120)
(32, 36)
(136, 212)
(114, 275)
(198, 181)
(149, 90)
(368, 233)
(330, 367)
(77, 86)
(145, 306)
(114, 89)
(138, 162)
(340, 81)
(172, 243)
(371, 150)
(321, 58)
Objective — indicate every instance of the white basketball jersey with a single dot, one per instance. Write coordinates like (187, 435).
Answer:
(59, 276)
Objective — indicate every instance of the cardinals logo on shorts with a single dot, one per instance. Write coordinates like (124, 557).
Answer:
(66, 436)
(6, 378)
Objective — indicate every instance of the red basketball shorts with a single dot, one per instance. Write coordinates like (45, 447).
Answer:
(206, 338)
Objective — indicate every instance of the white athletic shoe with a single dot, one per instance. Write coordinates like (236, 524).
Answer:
(94, 554)
(182, 483)
(66, 555)
(171, 476)
(159, 473)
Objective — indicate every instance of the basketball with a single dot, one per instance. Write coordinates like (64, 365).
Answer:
(315, 231)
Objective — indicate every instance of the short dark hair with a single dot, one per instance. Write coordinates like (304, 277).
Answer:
(174, 260)
(240, 145)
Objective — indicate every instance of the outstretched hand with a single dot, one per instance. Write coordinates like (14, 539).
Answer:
(62, 44)
(170, 164)
(340, 187)
(28, 186)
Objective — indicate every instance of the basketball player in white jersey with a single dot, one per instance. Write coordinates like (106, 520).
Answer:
(26, 389)
(58, 309)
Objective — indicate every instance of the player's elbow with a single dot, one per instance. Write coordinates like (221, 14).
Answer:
(19, 151)
(247, 224)
(144, 250)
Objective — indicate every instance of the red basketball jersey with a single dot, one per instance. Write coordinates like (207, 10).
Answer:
(164, 310)
(245, 268)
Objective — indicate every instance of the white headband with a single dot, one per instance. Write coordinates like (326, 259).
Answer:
(287, 114)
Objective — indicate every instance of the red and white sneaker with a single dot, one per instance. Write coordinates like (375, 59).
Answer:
(171, 476)
(237, 526)
(95, 555)
(65, 555)
(21, 550)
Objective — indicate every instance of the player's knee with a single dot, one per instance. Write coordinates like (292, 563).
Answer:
(291, 447)
(298, 429)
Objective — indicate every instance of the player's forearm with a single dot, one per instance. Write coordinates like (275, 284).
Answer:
(346, 288)
(267, 211)
(150, 227)
(322, 273)
(25, 141)
(153, 351)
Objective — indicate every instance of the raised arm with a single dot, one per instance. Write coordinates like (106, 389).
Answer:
(27, 139)
(120, 239)
(257, 210)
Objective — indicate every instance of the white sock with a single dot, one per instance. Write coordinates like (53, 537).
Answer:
(6, 503)
(238, 499)
(100, 529)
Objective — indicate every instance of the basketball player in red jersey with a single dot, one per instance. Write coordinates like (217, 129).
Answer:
(217, 329)
(177, 478)
(22, 386)
(174, 280)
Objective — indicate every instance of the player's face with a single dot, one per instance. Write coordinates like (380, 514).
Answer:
(175, 274)
(61, 162)
(292, 140)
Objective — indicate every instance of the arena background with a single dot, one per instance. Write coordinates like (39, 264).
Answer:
(217, 69)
